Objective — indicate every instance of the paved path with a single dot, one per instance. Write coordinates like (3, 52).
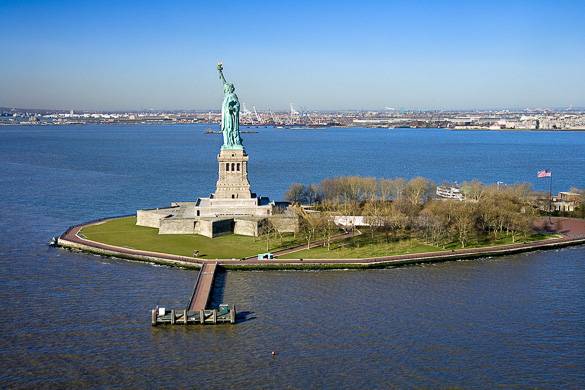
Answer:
(573, 231)
(71, 236)
(313, 244)
(568, 227)
(203, 287)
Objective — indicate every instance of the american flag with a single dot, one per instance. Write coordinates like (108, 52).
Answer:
(544, 173)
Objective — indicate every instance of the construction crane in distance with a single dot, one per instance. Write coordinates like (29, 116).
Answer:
(257, 116)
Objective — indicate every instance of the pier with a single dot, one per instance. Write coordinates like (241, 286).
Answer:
(203, 286)
(197, 311)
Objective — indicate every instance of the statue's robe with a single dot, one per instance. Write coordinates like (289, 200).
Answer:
(230, 120)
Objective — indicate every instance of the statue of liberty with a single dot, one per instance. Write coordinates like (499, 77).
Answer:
(230, 115)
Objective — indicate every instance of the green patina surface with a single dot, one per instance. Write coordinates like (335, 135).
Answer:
(124, 232)
(230, 115)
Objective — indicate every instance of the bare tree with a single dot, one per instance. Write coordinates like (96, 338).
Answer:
(580, 202)
(374, 217)
(296, 193)
(310, 223)
(398, 187)
(419, 190)
(269, 229)
(464, 221)
(435, 221)
(394, 221)
(395, 205)
(473, 190)
(328, 229)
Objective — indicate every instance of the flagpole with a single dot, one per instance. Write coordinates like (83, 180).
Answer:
(549, 196)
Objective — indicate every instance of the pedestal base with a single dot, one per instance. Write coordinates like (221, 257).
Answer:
(233, 175)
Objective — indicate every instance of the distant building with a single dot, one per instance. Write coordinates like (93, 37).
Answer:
(449, 193)
(566, 201)
(348, 221)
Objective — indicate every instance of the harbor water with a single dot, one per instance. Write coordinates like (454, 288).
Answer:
(77, 320)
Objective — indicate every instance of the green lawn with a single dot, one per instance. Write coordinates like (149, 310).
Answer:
(364, 246)
(124, 232)
(502, 240)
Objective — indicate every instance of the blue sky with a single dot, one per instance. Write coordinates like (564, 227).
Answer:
(319, 55)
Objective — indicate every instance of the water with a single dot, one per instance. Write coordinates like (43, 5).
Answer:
(74, 320)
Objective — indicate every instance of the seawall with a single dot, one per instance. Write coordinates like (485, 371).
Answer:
(573, 234)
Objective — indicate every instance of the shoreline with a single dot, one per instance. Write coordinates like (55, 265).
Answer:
(299, 127)
(573, 234)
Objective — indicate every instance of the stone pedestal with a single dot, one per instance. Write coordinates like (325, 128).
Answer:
(233, 175)
(231, 209)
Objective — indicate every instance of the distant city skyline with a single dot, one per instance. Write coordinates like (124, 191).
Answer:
(328, 56)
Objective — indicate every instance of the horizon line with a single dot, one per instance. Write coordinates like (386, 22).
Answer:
(304, 109)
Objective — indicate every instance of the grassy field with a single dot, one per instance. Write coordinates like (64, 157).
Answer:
(364, 246)
(503, 240)
(124, 232)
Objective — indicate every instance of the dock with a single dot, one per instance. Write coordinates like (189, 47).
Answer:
(203, 286)
(197, 311)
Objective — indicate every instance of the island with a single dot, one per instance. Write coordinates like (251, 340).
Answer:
(340, 222)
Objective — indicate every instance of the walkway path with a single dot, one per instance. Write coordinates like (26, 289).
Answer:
(314, 244)
(203, 287)
(71, 239)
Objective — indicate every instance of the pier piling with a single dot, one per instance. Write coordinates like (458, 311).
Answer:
(196, 313)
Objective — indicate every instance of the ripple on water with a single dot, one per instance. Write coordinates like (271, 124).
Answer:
(73, 320)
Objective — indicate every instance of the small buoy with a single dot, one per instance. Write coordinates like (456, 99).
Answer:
(273, 353)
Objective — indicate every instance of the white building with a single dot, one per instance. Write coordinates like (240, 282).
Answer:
(449, 193)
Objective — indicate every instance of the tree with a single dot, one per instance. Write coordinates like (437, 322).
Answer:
(328, 229)
(418, 191)
(398, 188)
(313, 194)
(269, 229)
(491, 218)
(520, 225)
(296, 193)
(385, 189)
(393, 220)
(395, 205)
(435, 221)
(473, 190)
(464, 221)
(374, 217)
(310, 223)
(580, 203)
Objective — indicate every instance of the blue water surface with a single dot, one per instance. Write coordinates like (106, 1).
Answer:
(76, 320)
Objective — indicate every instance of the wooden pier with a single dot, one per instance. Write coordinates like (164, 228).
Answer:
(197, 312)
(203, 286)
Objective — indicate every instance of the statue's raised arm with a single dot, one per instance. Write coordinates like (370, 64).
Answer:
(230, 115)
(220, 70)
